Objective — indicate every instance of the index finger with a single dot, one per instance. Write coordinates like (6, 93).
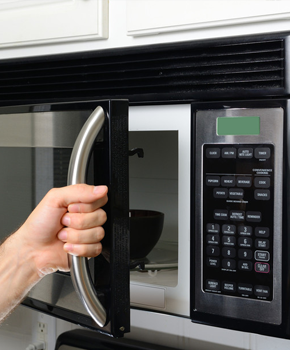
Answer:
(80, 193)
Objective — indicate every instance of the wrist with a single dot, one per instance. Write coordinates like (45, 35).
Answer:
(24, 258)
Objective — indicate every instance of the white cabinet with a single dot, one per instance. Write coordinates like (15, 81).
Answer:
(31, 22)
(153, 17)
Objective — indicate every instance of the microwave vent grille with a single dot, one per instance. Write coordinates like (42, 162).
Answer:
(181, 71)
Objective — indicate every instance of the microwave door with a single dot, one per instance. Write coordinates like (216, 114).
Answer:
(102, 299)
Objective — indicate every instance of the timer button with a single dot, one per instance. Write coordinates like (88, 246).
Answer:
(262, 153)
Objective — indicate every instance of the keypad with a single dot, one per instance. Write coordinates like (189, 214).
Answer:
(238, 192)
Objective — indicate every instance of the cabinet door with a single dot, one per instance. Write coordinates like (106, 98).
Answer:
(158, 16)
(31, 22)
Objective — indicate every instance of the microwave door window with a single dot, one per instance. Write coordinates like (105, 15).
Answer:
(16, 181)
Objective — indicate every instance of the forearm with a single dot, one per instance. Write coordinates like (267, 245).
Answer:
(17, 273)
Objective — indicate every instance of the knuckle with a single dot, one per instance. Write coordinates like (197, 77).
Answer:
(98, 249)
(100, 233)
(102, 216)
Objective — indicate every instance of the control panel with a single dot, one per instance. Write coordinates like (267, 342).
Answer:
(238, 191)
(238, 187)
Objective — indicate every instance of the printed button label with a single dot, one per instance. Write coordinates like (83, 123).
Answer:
(244, 181)
(229, 287)
(229, 152)
(262, 182)
(262, 153)
(237, 215)
(262, 231)
(245, 289)
(254, 216)
(213, 180)
(261, 255)
(220, 214)
(245, 265)
(212, 153)
(262, 291)
(245, 153)
(213, 285)
(262, 195)
(262, 267)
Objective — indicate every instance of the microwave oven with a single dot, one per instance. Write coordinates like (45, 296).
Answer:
(216, 163)
(222, 257)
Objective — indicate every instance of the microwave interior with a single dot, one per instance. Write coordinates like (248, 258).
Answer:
(153, 185)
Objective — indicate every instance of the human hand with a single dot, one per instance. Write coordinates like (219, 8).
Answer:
(67, 220)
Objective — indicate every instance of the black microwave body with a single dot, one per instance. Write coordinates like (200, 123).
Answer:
(240, 216)
(35, 150)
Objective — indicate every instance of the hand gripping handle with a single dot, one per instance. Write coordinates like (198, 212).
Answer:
(77, 174)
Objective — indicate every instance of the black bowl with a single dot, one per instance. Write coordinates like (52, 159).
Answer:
(145, 230)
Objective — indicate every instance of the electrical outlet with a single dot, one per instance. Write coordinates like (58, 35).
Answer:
(42, 331)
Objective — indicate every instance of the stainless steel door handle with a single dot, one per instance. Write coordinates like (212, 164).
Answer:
(77, 174)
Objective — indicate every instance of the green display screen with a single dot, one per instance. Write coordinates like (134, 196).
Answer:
(238, 126)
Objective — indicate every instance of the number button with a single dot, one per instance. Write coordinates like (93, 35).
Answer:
(213, 239)
(245, 242)
(212, 228)
(245, 230)
(228, 229)
(246, 254)
(229, 241)
(229, 252)
(212, 251)
(229, 264)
